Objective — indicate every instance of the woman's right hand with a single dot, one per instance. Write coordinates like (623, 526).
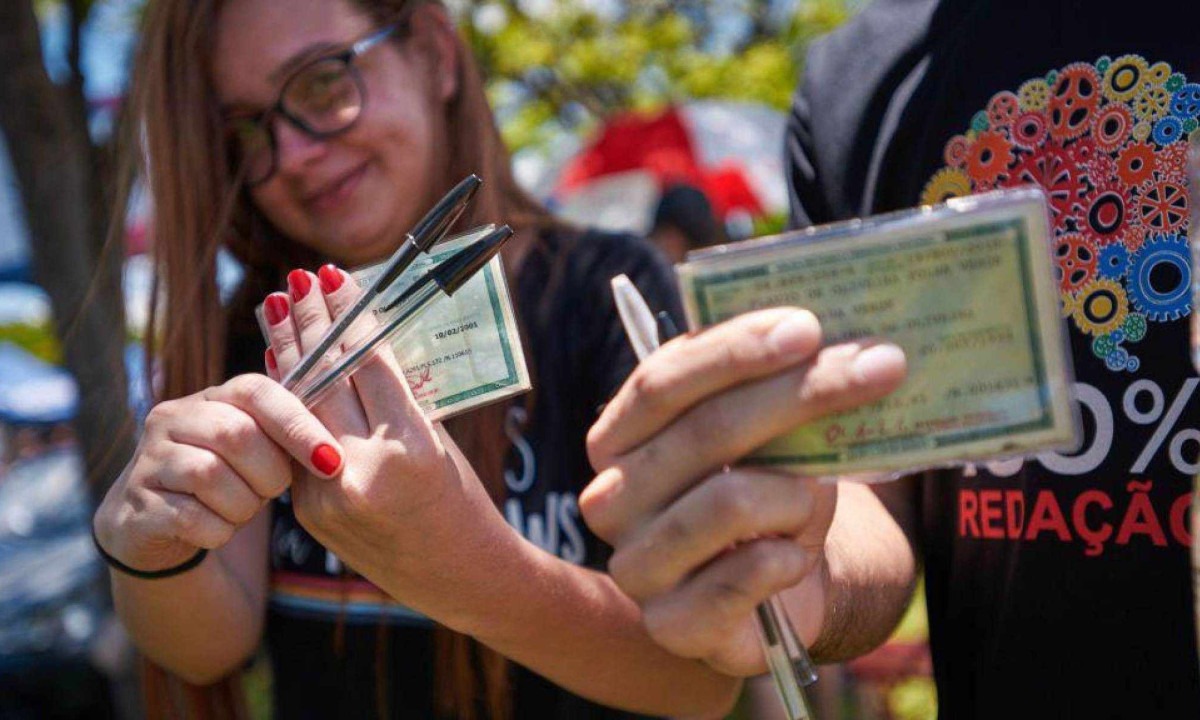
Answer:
(206, 465)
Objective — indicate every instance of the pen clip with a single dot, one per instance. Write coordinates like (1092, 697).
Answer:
(445, 272)
(438, 221)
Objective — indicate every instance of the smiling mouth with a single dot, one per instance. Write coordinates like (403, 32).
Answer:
(334, 195)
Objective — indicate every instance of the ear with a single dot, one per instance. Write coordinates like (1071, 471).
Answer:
(435, 31)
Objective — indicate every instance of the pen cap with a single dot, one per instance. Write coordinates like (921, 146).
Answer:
(451, 274)
(438, 221)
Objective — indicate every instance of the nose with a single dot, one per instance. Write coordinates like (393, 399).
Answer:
(297, 149)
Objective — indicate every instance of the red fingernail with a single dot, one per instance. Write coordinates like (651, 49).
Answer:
(330, 277)
(276, 308)
(326, 459)
(269, 356)
(299, 283)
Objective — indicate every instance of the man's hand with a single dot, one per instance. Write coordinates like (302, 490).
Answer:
(696, 545)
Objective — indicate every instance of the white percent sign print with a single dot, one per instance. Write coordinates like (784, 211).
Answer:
(1167, 423)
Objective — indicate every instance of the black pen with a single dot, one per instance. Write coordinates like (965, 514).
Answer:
(443, 279)
(424, 235)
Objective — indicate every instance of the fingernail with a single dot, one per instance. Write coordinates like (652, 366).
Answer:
(326, 459)
(299, 283)
(269, 357)
(878, 363)
(330, 277)
(276, 308)
(795, 333)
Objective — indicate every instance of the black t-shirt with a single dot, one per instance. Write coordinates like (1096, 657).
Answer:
(332, 634)
(1057, 587)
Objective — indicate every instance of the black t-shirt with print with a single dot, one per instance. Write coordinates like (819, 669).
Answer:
(332, 634)
(1057, 587)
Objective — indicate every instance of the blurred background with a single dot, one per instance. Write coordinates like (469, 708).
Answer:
(662, 118)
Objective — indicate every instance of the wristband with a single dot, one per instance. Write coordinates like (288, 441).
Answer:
(183, 567)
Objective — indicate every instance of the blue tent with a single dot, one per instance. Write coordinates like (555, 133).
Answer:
(14, 237)
(34, 392)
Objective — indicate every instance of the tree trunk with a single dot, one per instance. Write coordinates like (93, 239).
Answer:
(57, 171)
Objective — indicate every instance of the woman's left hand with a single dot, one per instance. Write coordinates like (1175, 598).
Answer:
(407, 501)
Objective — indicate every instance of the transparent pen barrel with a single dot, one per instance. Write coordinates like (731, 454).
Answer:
(340, 366)
(788, 661)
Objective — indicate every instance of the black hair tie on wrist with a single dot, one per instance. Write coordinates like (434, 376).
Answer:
(183, 567)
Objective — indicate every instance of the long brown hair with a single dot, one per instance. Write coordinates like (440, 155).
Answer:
(174, 129)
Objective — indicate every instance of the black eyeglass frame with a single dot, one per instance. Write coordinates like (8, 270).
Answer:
(266, 118)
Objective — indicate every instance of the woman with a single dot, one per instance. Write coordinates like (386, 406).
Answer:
(311, 132)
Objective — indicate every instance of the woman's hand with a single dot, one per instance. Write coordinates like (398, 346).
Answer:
(205, 466)
(401, 511)
(698, 547)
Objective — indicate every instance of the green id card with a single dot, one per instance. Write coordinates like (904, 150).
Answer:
(965, 289)
(464, 350)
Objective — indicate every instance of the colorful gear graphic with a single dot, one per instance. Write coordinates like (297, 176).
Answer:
(1135, 327)
(1136, 163)
(1113, 262)
(1102, 169)
(1067, 303)
(1160, 278)
(1117, 360)
(989, 157)
(1111, 127)
(1172, 163)
(1124, 78)
(1103, 345)
(1075, 262)
(1033, 95)
(1055, 170)
(945, 184)
(1029, 130)
(1135, 237)
(1163, 206)
(1152, 103)
(979, 121)
(1103, 142)
(1185, 103)
(1003, 109)
(1167, 130)
(1073, 101)
(957, 151)
(1159, 73)
(1105, 210)
(1102, 307)
(1082, 150)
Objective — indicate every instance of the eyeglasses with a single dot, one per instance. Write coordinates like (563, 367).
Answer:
(323, 98)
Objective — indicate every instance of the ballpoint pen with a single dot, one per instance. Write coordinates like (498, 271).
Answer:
(788, 660)
(424, 235)
(443, 279)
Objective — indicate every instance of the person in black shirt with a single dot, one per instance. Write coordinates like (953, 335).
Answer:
(1057, 586)
(366, 544)
(684, 221)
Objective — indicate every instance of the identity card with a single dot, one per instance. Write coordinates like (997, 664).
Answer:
(966, 289)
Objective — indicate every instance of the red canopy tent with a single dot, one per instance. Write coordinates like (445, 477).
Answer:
(668, 147)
